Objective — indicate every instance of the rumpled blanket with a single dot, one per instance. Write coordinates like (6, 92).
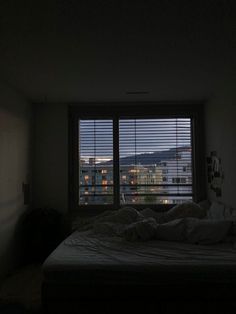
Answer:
(147, 225)
(127, 222)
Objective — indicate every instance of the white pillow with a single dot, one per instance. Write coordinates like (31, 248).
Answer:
(171, 231)
(216, 211)
(206, 231)
(188, 209)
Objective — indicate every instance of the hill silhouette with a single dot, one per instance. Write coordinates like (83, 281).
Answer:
(150, 158)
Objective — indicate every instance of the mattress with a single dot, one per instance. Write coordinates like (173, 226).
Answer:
(86, 258)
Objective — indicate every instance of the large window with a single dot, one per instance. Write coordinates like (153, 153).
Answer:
(152, 154)
(95, 162)
(155, 161)
(127, 160)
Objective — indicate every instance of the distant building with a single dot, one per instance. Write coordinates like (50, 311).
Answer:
(164, 182)
(177, 175)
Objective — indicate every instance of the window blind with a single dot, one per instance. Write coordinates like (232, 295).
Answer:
(154, 164)
(155, 160)
(95, 162)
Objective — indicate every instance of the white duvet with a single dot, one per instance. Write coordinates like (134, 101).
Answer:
(134, 226)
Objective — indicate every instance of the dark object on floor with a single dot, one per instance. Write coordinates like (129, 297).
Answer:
(41, 231)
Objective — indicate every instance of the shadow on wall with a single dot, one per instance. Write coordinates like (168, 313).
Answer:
(10, 211)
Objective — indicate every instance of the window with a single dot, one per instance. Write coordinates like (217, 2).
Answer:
(150, 151)
(133, 160)
(96, 160)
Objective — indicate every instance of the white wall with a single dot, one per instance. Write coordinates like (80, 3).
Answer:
(15, 120)
(221, 137)
(50, 167)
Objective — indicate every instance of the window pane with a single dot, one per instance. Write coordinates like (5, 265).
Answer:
(95, 162)
(155, 161)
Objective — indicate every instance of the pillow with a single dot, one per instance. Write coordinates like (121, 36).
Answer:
(216, 211)
(206, 231)
(171, 231)
(188, 209)
(142, 230)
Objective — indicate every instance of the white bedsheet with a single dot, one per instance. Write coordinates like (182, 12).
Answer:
(84, 256)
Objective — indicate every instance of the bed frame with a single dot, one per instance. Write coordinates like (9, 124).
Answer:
(73, 298)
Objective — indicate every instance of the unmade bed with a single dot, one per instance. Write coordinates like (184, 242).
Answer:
(93, 266)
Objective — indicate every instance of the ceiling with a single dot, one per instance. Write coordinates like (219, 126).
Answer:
(69, 51)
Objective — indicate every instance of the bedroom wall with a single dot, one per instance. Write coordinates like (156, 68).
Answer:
(221, 137)
(51, 150)
(50, 166)
(15, 125)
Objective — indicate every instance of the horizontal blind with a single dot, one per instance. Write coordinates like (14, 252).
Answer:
(155, 160)
(95, 162)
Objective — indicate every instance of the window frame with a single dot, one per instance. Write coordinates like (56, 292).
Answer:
(144, 110)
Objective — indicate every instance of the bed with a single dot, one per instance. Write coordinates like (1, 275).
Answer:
(87, 266)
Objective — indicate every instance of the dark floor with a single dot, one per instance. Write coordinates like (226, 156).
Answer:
(20, 293)
(17, 309)
(169, 308)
